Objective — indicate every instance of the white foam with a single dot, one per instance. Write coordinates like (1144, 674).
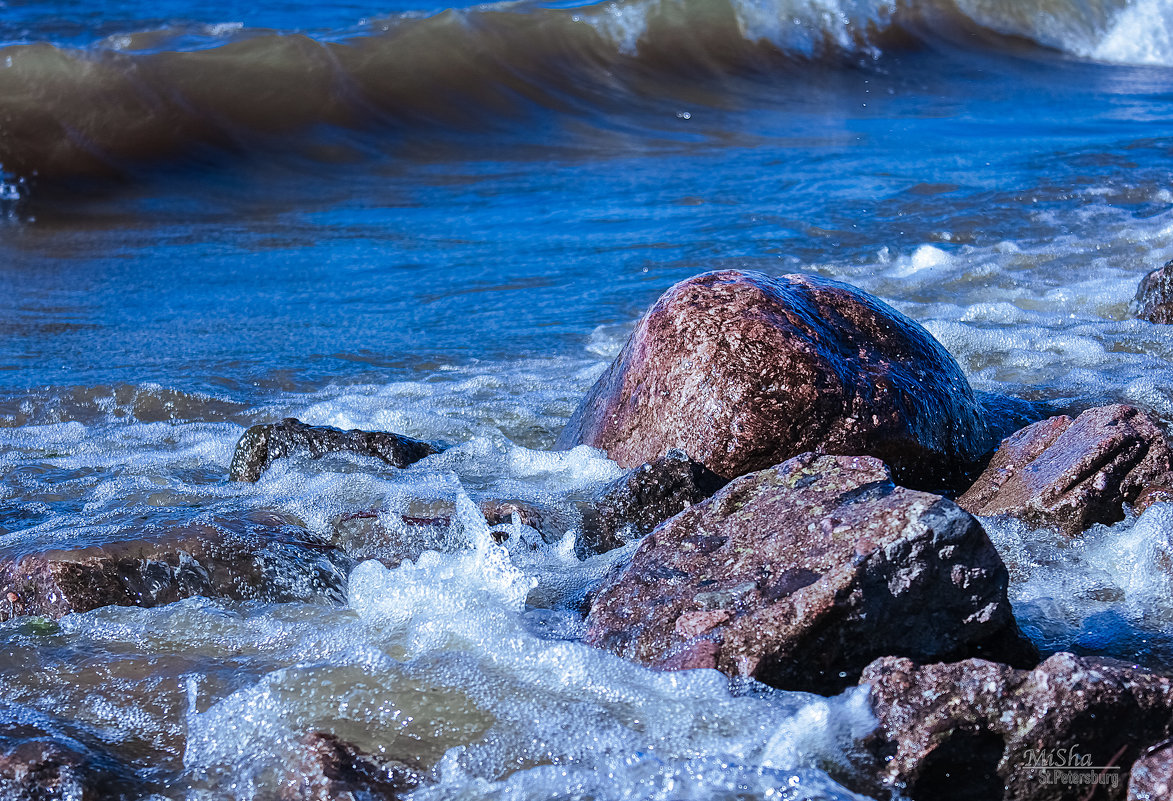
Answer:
(1142, 33)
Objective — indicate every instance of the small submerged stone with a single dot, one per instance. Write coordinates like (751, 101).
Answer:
(330, 769)
(261, 557)
(261, 445)
(802, 574)
(42, 764)
(1069, 474)
(742, 371)
(977, 730)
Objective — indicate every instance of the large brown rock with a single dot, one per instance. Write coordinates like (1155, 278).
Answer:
(1151, 777)
(742, 371)
(979, 730)
(1068, 474)
(261, 557)
(261, 445)
(330, 769)
(1154, 296)
(802, 574)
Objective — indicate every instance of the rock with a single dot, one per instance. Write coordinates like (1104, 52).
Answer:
(742, 371)
(1151, 777)
(329, 769)
(1069, 474)
(631, 506)
(802, 574)
(38, 763)
(1154, 296)
(980, 730)
(261, 445)
(1160, 491)
(263, 557)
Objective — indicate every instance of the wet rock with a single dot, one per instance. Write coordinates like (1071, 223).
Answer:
(742, 371)
(1160, 491)
(1151, 777)
(262, 557)
(261, 445)
(329, 769)
(1069, 474)
(980, 730)
(633, 505)
(802, 574)
(1154, 296)
(37, 764)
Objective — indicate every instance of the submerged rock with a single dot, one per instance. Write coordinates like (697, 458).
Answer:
(37, 764)
(1154, 296)
(742, 371)
(633, 505)
(329, 769)
(979, 730)
(261, 445)
(1069, 474)
(1151, 777)
(802, 574)
(264, 557)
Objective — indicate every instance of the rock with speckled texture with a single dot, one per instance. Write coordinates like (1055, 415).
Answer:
(976, 730)
(1151, 777)
(802, 574)
(742, 371)
(1154, 296)
(1068, 474)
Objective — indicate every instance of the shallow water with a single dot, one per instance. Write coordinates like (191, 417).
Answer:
(443, 223)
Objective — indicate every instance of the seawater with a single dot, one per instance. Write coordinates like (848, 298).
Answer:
(443, 222)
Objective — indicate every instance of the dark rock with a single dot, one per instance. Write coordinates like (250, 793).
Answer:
(1151, 777)
(263, 557)
(742, 371)
(41, 764)
(1160, 491)
(1069, 474)
(261, 445)
(1154, 296)
(631, 506)
(329, 769)
(980, 730)
(1005, 415)
(802, 574)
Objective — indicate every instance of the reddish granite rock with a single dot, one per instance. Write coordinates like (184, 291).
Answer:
(329, 769)
(1151, 777)
(742, 371)
(1154, 296)
(802, 574)
(1069, 474)
(261, 445)
(979, 730)
(262, 557)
